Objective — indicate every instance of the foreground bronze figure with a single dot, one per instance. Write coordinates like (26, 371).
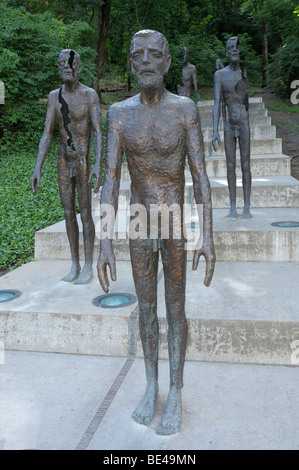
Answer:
(189, 77)
(230, 93)
(76, 108)
(156, 129)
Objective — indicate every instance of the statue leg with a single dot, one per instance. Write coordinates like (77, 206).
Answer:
(244, 141)
(68, 199)
(84, 199)
(174, 265)
(145, 267)
(230, 153)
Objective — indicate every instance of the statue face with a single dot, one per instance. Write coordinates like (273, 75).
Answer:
(233, 49)
(149, 61)
(69, 65)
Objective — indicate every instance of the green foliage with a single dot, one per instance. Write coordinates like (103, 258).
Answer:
(29, 47)
(22, 214)
(285, 67)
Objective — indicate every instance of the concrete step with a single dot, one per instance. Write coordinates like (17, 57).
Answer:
(254, 101)
(257, 147)
(248, 315)
(259, 121)
(266, 191)
(256, 133)
(253, 111)
(261, 165)
(253, 239)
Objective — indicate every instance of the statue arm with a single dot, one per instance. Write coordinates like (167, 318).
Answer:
(202, 194)
(44, 144)
(96, 122)
(216, 109)
(194, 78)
(109, 195)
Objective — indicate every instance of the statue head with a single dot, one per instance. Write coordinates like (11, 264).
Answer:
(186, 55)
(233, 49)
(69, 65)
(150, 57)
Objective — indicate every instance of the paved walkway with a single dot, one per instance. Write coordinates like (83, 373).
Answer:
(68, 402)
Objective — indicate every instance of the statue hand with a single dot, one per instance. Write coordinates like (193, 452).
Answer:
(207, 250)
(216, 137)
(35, 181)
(96, 171)
(106, 257)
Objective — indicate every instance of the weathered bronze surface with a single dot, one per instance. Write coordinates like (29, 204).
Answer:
(76, 108)
(230, 85)
(156, 129)
(189, 78)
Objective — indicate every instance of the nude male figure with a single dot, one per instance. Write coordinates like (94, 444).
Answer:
(229, 88)
(156, 129)
(76, 108)
(189, 77)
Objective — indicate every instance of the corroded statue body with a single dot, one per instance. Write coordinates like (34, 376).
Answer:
(76, 108)
(189, 78)
(156, 129)
(230, 96)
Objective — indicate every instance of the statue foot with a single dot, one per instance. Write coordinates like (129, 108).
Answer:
(71, 276)
(233, 214)
(246, 214)
(145, 411)
(85, 275)
(172, 416)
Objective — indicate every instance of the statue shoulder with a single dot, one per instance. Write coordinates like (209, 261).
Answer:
(117, 109)
(185, 106)
(53, 96)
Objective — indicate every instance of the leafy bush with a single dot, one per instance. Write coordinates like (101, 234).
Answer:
(22, 213)
(285, 67)
(29, 47)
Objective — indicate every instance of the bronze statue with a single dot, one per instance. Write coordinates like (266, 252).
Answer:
(230, 94)
(189, 76)
(156, 129)
(76, 108)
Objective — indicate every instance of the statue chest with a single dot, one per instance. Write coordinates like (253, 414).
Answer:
(145, 133)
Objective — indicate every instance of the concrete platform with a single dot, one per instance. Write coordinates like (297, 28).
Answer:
(66, 402)
(253, 239)
(256, 132)
(248, 315)
(266, 191)
(257, 147)
(260, 165)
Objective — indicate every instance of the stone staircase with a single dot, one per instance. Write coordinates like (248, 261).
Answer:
(249, 313)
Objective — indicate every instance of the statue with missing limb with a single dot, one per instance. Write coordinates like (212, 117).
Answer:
(156, 129)
(76, 108)
(230, 94)
(189, 77)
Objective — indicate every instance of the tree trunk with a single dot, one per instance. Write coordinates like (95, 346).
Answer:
(265, 81)
(103, 35)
